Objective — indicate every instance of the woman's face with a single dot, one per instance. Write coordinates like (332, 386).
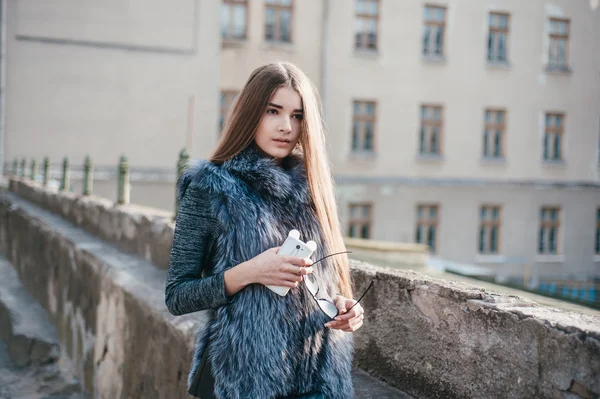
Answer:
(279, 129)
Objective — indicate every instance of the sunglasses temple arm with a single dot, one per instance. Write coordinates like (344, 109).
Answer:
(361, 297)
(325, 257)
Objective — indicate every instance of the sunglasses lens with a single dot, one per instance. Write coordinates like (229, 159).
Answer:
(311, 284)
(328, 307)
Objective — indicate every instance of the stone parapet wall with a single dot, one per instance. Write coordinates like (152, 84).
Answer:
(431, 338)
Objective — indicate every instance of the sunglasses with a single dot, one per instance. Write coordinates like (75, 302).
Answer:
(327, 306)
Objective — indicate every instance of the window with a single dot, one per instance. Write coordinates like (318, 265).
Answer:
(553, 137)
(598, 231)
(498, 37)
(365, 28)
(227, 99)
(279, 21)
(433, 35)
(363, 126)
(559, 44)
(431, 130)
(549, 228)
(489, 229)
(359, 224)
(234, 19)
(427, 221)
(493, 134)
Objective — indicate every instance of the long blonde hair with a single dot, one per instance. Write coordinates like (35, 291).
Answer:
(240, 129)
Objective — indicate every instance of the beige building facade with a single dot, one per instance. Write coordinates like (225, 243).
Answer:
(472, 126)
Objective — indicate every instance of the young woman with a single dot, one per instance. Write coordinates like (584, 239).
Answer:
(268, 175)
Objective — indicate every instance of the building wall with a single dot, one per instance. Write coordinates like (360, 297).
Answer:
(110, 79)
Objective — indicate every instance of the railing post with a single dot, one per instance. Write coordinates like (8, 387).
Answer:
(181, 165)
(65, 184)
(46, 168)
(33, 170)
(23, 166)
(88, 176)
(123, 189)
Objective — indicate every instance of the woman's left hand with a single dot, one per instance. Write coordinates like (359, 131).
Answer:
(350, 321)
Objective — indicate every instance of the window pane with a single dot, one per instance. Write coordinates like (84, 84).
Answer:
(285, 2)
(497, 144)
(224, 20)
(503, 21)
(365, 231)
(558, 120)
(285, 26)
(431, 237)
(552, 238)
(486, 138)
(553, 214)
(436, 113)
(495, 213)
(373, 8)
(420, 212)
(490, 46)
(239, 21)
(368, 136)
(270, 24)
(541, 242)
(419, 235)
(500, 117)
(434, 141)
(546, 149)
(501, 47)
(357, 110)
(422, 140)
(366, 211)
(483, 213)
(360, 6)
(370, 109)
(432, 212)
(351, 232)
(355, 138)
(426, 35)
(493, 239)
(482, 239)
(438, 40)
(557, 146)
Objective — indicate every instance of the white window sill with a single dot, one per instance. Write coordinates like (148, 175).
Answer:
(550, 258)
(278, 46)
(366, 53)
(505, 65)
(493, 161)
(434, 59)
(231, 42)
(554, 163)
(367, 155)
(490, 258)
(558, 69)
(429, 157)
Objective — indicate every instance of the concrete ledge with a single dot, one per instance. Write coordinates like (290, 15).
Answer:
(428, 337)
(416, 255)
(147, 232)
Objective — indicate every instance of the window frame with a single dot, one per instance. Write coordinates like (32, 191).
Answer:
(487, 224)
(552, 131)
(365, 34)
(362, 131)
(443, 24)
(277, 30)
(499, 30)
(494, 126)
(360, 221)
(547, 224)
(431, 122)
(427, 222)
(558, 36)
(230, 4)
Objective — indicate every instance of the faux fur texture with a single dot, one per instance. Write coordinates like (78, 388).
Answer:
(263, 345)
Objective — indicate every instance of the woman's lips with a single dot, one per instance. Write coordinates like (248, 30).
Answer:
(281, 143)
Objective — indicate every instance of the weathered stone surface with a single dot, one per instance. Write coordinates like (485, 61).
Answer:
(431, 338)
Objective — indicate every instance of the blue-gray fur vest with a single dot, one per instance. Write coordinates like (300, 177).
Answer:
(263, 345)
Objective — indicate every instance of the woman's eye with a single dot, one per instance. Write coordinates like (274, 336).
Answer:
(271, 111)
(299, 116)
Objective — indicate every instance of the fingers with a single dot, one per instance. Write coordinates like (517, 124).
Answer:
(294, 260)
(347, 326)
(352, 313)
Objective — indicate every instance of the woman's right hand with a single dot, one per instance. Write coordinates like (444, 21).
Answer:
(269, 268)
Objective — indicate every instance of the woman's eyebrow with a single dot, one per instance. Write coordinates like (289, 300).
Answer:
(280, 107)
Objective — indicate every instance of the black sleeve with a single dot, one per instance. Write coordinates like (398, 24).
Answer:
(195, 230)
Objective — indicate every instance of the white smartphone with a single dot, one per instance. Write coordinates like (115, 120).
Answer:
(293, 247)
